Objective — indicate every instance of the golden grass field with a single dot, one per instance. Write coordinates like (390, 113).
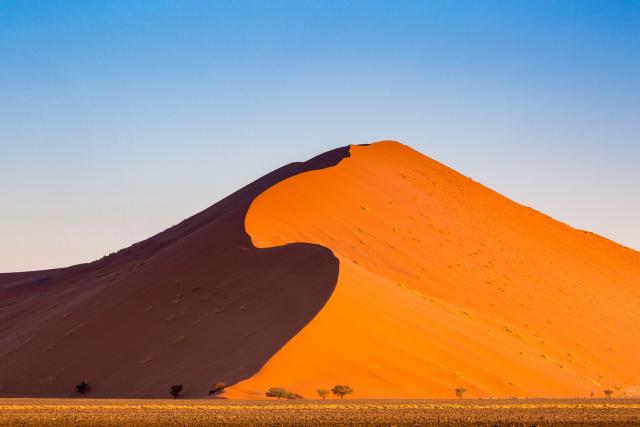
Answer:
(117, 412)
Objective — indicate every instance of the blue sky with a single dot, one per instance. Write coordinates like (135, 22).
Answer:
(119, 118)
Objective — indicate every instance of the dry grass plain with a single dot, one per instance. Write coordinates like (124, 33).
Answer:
(116, 412)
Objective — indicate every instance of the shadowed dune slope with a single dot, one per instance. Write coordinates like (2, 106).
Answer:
(195, 304)
(444, 283)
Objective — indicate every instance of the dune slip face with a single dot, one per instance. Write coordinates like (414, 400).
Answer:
(193, 305)
(444, 283)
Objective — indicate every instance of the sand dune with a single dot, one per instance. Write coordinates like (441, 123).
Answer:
(194, 305)
(373, 266)
(445, 283)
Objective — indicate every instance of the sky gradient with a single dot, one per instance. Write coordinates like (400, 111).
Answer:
(119, 119)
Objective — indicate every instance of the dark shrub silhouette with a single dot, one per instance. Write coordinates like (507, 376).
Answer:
(83, 387)
(341, 390)
(217, 388)
(608, 392)
(460, 392)
(175, 391)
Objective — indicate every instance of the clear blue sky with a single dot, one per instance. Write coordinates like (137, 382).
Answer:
(121, 118)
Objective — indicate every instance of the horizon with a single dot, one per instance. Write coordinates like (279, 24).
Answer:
(119, 120)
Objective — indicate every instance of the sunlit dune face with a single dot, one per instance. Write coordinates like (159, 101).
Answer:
(444, 283)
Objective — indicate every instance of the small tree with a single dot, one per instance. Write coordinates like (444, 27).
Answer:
(83, 387)
(323, 393)
(608, 392)
(460, 392)
(217, 388)
(175, 391)
(341, 390)
(277, 392)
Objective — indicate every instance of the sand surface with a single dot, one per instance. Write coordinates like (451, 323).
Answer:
(444, 283)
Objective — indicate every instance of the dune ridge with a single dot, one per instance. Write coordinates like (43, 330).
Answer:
(193, 305)
(445, 283)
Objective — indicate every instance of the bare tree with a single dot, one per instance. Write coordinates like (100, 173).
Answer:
(608, 392)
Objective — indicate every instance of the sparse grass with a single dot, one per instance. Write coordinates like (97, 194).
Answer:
(112, 412)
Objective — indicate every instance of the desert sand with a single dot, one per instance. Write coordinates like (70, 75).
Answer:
(444, 283)
(373, 266)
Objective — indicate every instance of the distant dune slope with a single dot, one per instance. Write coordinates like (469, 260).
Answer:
(194, 304)
(444, 283)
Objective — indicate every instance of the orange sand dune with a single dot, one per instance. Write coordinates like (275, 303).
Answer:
(444, 283)
(373, 266)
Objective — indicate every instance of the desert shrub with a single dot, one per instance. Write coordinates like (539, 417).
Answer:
(277, 392)
(323, 393)
(282, 393)
(460, 392)
(83, 387)
(217, 388)
(341, 390)
(608, 392)
(175, 390)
